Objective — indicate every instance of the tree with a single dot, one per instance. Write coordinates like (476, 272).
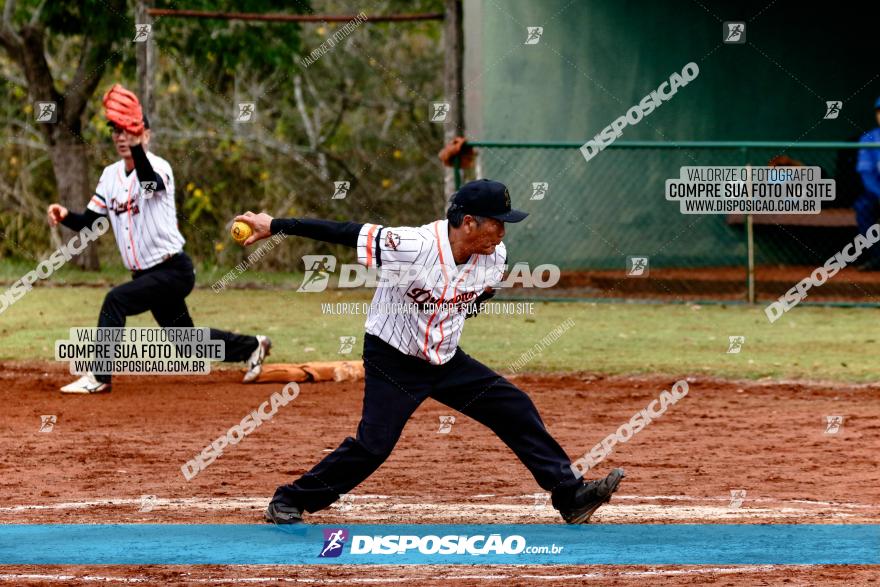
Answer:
(359, 113)
(100, 27)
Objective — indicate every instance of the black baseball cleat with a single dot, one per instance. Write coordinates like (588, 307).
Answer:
(283, 514)
(590, 496)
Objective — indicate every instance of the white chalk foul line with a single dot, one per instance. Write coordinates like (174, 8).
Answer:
(207, 503)
(377, 507)
(493, 576)
(473, 513)
(235, 503)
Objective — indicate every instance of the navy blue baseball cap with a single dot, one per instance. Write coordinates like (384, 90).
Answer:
(485, 197)
(877, 104)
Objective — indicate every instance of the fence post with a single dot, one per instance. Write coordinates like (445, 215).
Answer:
(145, 62)
(456, 169)
(750, 240)
(453, 78)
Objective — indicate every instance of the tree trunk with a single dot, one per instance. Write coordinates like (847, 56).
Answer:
(68, 152)
(71, 165)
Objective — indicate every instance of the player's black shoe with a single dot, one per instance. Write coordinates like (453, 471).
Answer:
(283, 514)
(590, 496)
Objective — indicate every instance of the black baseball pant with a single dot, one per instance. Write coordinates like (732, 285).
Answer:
(162, 290)
(395, 385)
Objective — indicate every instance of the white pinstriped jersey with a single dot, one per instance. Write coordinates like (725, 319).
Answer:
(422, 256)
(145, 223)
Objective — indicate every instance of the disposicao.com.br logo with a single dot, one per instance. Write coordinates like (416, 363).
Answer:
(452, 544)
(320, 268)
(334, 541)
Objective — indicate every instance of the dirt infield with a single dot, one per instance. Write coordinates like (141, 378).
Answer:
(105, 452)
(440, 576)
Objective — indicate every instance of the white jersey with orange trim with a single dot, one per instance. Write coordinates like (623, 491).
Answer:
(421, 309)
(144, 222)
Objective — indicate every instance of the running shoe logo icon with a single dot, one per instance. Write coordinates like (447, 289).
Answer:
(833, 424)
(533, 35)
(735, 32)
(334, 541)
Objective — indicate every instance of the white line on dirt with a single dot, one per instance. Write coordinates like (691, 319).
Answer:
(378, 507)
(473, 513)
(209, 503)
(15, 577)
(233, 503)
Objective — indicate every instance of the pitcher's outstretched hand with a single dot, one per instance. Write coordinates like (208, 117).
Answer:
(260, 224)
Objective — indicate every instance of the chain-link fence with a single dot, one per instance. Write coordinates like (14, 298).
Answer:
(607, 224)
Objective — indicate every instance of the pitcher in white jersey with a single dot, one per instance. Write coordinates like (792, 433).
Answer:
(442, 271)
(136, 194)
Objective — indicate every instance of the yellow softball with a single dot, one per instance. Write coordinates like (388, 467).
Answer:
(240, 232)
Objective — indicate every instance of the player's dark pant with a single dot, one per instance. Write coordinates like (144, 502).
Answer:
(162, 290)
(867, 209)
(396, 384)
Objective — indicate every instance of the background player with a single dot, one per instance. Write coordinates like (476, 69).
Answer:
(867, 206)
(137, 195)
(410, 356)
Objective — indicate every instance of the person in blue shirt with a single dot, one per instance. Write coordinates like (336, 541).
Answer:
(867, 206)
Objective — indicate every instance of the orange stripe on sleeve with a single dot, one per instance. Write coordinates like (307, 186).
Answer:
(369, 245)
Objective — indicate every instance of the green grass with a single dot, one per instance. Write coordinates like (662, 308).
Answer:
(114, 273)
(678, 340)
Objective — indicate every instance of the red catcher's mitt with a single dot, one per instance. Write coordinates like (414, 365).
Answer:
(123, 109)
